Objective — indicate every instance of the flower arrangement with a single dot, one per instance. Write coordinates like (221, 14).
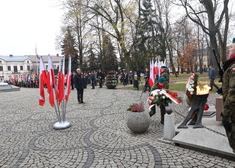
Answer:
(163, 97)
(111, 81)
(136, 107)
(191, 87)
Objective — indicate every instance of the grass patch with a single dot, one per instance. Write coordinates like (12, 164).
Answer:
(179, 85)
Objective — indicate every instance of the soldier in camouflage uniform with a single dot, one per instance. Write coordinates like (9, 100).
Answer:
(165, 74)
(228, 88)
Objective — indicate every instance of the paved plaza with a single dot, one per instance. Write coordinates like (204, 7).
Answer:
(98, 136)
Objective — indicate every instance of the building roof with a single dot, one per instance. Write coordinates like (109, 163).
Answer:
(11, 58)
(35, 58)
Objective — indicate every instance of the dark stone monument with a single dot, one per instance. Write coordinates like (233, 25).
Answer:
(196, 112)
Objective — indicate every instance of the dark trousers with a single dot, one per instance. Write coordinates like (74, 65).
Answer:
(80, 95)
(213, 84)
(101, 82)
(162, 109)
(93, 84)
(147, 86)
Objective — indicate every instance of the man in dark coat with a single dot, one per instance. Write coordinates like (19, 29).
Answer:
(146, 77)
(212, 76)
(100, 77)
(79, 82)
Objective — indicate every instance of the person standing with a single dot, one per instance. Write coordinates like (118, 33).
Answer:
(125, 78)
(72, 80)
(95, 74)
(92, 77)
(79, 82)
(130, 77)
(146, 77)
(166, 75)
(138, 74)
(100, 76)
(228, 88)
(159, 85)
(212, 76)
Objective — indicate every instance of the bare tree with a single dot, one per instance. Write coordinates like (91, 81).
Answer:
(215, 12)
(76, 17)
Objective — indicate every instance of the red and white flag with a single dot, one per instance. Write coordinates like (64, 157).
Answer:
(50, 81)
(151, 76)
(68, 81)
(42, 81)
(60, 82)
(156, 68)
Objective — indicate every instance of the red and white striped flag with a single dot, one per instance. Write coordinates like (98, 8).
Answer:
(151, 76)
(42, 81)
(68, 81)
(60, 82)
(156, 69)
(50, 81)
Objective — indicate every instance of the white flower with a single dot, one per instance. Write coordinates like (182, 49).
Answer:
(190, 89)
(163, 97)
(191, 82)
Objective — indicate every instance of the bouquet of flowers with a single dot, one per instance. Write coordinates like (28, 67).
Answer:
(162, 97)
(136, 107)
(191, 87)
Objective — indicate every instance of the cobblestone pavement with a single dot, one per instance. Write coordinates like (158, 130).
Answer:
(98, 136)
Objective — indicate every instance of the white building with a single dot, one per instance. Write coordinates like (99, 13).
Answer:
(36, 60)
(11, 66)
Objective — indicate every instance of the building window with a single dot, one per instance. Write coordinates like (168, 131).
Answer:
(28, 68)
(9, 68)
(15, 69)
(21, 68)
(0, 62)
(1, 68)
(27, 62)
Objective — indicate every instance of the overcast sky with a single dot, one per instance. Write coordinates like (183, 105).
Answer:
(26, 24)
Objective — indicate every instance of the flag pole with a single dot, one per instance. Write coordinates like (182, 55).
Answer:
(62, 123)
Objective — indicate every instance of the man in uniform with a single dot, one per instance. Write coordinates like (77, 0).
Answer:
(165, 74)
(228, 87)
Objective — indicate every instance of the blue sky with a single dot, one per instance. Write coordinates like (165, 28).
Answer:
(26, 24)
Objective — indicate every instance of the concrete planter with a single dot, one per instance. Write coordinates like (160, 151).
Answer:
(138, 122)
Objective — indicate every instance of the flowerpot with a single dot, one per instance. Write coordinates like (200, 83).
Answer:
(138, 122)
(111, 87)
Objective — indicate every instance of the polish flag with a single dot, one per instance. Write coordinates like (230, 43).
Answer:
(50, 81)
(60, 82)
(151, 76)
(68, 81)
(42, 81)
(156, 68)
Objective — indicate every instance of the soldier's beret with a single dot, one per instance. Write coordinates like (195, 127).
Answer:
(233, 40)
(163, 67)
(161, 79)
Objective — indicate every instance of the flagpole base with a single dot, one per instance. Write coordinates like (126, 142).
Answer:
(61, 125)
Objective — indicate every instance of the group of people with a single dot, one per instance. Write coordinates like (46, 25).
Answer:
(27, 82)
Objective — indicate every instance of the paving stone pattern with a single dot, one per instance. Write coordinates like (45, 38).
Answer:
(98, 136)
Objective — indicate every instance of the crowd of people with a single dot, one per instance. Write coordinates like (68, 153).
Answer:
(93, 78)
